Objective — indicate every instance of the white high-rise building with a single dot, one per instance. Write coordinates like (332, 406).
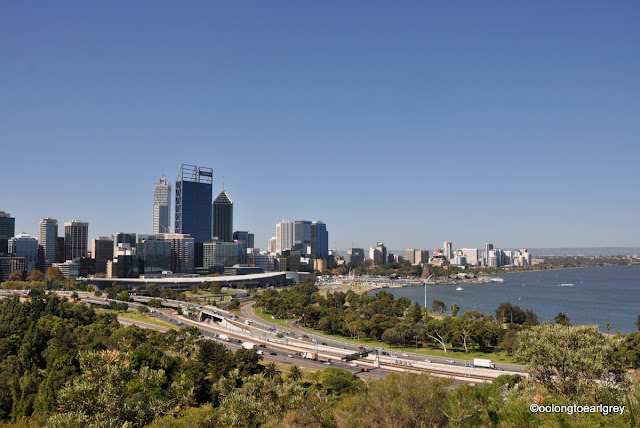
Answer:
(161, 207)
(448, 250)
(284, 236)
(76, 239)
(271, 246)
(47, 234)
(25, 246)
(472, 255)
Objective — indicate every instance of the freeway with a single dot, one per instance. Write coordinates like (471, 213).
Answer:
(397, 358)
(232, 332)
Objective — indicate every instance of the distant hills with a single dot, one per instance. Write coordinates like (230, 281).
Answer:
(578, 251)
(586, 251)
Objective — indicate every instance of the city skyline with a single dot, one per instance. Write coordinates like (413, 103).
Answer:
(505, 123)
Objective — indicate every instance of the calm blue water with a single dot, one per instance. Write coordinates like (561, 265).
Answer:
(600, 295)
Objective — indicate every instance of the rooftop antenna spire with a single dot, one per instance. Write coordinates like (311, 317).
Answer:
(222, 183)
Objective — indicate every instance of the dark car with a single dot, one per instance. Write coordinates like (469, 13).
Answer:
(273, 353)
(323, 344)
(262, 345)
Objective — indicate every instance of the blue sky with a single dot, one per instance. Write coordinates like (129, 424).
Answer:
(409, 123)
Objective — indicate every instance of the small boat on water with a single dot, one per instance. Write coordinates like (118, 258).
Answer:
(459, 289)
(566, 285)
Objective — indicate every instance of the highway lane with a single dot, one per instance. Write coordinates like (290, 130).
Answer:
(328, 348)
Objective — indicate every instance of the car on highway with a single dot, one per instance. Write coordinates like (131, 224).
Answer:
(353, 365)
(404, 354)
(426, 360)
(290, 355)
(364, 369)
(342, 347)
(451, 362)
(327, 363)
(273, 353)
(260, 352)
(361, 347)
(324, 344)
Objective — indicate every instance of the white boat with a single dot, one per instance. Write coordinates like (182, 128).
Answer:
(459, 289)
(497, 280)
(566, 285)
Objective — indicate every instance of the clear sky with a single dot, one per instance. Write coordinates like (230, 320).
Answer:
(410, 123)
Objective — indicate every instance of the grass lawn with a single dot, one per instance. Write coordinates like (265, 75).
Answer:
(267, 317)
(429, 349)
(136, 316)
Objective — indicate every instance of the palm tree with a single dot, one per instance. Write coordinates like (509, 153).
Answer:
(608, 327)
(295, 373)
(271, 370)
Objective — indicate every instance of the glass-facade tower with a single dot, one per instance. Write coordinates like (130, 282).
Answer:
(194, 188)
(222, 222)
(161, 207)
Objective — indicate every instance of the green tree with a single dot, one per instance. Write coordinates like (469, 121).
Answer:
(271, 370)
(438, 306)
(16, 275)
(414, 313)
(400, 400)
(574, 361)
(454, 309)
(35, 275)
(295, 374)
(153, 290)
(142, 309)
(562, 319)
(53, 276)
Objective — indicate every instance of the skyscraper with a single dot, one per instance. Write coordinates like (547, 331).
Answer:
(284, 236)
(7, 230)
(76, 239)
(47, 234)
(319, 241)
(102, 252)
(193, 202)
(448, 249)
(302, 236)
(161, 206)
(222, 222)
(25, 246)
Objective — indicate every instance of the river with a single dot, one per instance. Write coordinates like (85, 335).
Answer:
(599, 295)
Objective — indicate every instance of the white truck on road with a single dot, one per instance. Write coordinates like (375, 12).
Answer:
(480, 362)
(223, 337)
(248, 345)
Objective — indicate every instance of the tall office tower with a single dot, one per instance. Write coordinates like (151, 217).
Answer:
(47, 234)
(161, 207)
(102, 252)
(76, 239)
(25, 246)
(411, 255)
(472, 255)
(123, 240)
(284, 236)
(487, 247)
(302, 236)
(375, 256)
(182, 252)
(155, 254)
(383, 252)
(60, 249)
(271, 245)
(245, 239)
(222, 221)
(354, 255)
(7, 230)
(194, 187)
(218, 255)
(447, 247)
(319, 241)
